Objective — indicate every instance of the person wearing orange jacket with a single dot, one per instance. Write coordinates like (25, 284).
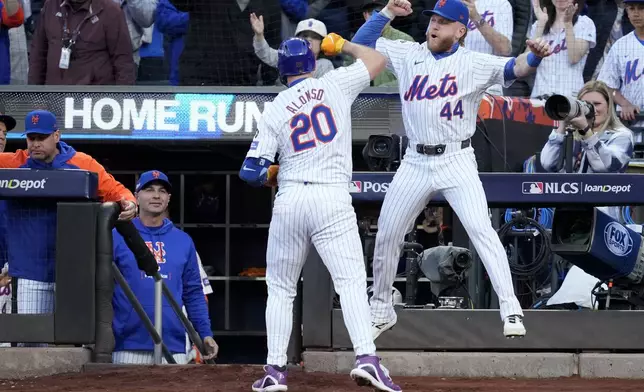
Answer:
(31, 238)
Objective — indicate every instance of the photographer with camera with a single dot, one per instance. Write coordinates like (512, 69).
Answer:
(602, 144)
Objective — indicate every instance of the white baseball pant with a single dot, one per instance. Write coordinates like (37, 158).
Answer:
(455, 175)
(143, 358)
(321, 214)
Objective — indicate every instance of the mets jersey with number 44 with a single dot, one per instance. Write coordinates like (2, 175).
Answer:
(441, 96)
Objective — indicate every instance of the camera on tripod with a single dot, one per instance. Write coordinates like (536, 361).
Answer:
(563, 108)
(384, 152)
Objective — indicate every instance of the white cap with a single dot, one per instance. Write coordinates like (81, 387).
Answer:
(313, 25)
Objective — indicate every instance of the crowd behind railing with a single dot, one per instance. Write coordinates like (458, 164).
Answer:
(233, 42)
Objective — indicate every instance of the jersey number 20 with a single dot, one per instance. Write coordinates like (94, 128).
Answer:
(302, 123)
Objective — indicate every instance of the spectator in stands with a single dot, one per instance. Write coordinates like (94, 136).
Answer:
(19, 55)
(602, 144)
(294, 11)
(31, 243)
(218, 49)
(386, 78)
(490, 30)
(139, 15)
(174, 25)
(90, 50)
(571, 36)
(176, 255)
(622, 69)
(11, 16)
(160, 55)
(605, 14)
(311, 30)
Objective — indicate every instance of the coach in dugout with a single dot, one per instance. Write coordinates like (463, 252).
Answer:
(176, 256)
(31, 241)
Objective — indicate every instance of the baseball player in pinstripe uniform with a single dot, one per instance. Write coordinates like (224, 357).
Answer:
(309, 124)
(441, 85)
(175, 253)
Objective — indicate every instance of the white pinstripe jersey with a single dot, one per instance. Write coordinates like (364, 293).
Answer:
(309, 125)
(498, 14)
(555, 75)
(624, 67)
(440, 98)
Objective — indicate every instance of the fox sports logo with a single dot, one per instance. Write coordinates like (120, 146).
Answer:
(618, 240)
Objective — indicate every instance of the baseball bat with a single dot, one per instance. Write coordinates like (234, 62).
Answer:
(194, 336)
(120, 279)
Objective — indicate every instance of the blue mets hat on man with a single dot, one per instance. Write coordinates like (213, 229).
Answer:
(40, 121)
(153, 176)
(453, 10)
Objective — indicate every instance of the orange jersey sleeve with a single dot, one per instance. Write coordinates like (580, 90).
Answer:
(15, 20)
(13, 160)
(108, 188)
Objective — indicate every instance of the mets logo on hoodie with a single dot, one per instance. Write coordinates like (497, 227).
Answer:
(158, 250)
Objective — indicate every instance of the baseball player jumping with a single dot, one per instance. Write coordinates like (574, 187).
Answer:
(309, 124)
(441, 85)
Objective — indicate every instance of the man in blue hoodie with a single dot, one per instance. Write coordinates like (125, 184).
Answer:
(176, 255)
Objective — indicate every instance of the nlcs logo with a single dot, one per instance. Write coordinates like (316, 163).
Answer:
(158, 250)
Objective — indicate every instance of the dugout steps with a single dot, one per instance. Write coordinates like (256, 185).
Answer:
(20, 363)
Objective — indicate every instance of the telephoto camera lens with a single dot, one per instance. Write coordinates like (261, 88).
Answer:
(381, 147)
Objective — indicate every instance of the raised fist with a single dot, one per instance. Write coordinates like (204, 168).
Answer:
(399, 7)
(332, 44)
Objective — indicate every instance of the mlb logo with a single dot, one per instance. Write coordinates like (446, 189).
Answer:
(355, 187)
(253, 145)
(532, 188)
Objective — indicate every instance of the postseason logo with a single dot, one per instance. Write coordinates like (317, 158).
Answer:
(368, 187)
(540, 188)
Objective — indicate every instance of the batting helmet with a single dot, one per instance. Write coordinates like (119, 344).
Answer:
(295, 57)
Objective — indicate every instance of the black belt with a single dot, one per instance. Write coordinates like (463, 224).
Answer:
(438, 149)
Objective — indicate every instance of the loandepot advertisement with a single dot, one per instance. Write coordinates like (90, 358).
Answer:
(172, 116)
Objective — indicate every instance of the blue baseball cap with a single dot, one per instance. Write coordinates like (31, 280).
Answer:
(633, 1)
(153, 176)
(40, 121)
(453, 10)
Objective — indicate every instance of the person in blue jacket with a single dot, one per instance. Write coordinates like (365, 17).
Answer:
(175, 253)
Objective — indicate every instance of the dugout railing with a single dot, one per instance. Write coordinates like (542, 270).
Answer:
(85, 272)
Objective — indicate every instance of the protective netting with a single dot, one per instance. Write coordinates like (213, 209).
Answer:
(233, 42)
